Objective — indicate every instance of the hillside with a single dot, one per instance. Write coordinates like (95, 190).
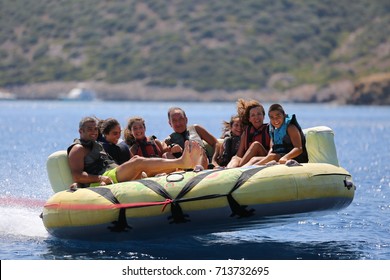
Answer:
(284, 46)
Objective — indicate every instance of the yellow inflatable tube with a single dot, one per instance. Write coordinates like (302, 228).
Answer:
(212, 200)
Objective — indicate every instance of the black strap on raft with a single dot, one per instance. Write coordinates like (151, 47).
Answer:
(237, 209)
(193, 182)
(178, 216)
(177, 213)
(176, 209)
(121, 224)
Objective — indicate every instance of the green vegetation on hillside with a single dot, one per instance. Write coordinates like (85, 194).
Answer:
(198, 44)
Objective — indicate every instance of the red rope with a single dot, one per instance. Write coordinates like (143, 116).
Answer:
(21, 202)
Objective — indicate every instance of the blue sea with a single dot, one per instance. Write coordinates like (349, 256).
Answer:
(32, 130)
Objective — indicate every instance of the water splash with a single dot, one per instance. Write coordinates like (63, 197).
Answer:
(20, 217)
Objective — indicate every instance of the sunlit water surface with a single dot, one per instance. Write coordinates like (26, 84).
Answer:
(32, 130)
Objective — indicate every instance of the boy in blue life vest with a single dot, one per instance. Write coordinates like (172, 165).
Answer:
(287, 139)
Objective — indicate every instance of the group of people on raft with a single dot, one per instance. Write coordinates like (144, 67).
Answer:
(101, 157)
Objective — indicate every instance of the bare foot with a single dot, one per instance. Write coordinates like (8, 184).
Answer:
(73, 186)
(198, 168)
(270, 163)
(292, 162)
(191, 154)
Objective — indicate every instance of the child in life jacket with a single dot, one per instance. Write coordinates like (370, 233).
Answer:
(138, 142)
(287, 138)
(232, 131)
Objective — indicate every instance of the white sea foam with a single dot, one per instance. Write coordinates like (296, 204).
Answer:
(21, 222)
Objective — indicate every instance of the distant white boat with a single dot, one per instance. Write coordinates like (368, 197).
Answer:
(7, 96)
(79, 94)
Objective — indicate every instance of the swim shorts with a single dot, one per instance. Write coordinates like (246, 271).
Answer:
(109, 173)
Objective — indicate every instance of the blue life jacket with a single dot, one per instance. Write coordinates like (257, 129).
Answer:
(282, 142)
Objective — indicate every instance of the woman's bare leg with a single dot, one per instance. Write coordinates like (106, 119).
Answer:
(270, 157)
(255, 149)
(234, 162)
(253, 161)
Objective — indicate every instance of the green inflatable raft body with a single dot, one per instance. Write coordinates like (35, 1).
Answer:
(206, 201)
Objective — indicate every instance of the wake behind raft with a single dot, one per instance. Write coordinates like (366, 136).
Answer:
(206, 201)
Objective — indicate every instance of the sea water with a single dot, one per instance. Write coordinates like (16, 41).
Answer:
(32, 130)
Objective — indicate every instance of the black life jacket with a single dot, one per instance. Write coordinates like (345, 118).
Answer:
(230, 145)
(120, 152)
(97, 161)
(180, 138)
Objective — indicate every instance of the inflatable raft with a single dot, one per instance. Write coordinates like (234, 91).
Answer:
(206, 201)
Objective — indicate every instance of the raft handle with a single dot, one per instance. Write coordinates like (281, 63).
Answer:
(175, 177)
(349, 184)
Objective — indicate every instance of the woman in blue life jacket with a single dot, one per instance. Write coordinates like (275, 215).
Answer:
(231, 135)
(255, 138)
(111, 141)
(287, 139)
(139, 143)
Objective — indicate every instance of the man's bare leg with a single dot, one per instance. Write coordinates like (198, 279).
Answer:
(133, 168)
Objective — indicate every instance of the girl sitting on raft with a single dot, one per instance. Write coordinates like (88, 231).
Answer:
(138, 142)
(231, 136)
(287, 139)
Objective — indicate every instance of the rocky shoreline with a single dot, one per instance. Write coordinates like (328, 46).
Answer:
(372, 90)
